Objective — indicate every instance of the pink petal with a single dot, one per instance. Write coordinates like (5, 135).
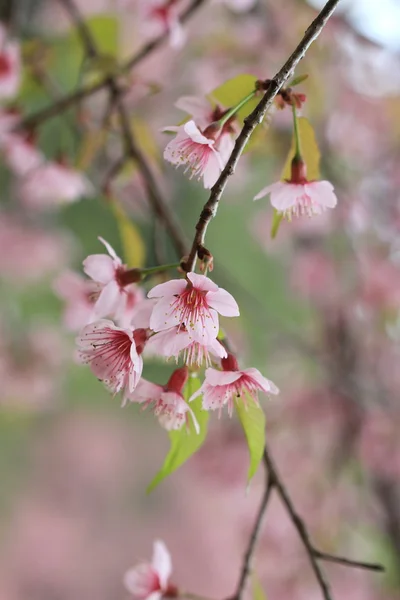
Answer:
(225, 146)
(99, 267)
(107, 301)
(135, 373)
(84, 340)
(215, 378)
(195, 134)
(265, 384)
(285, 195)
(110, 250)
(199, 108)
(199, 392)
(206, 332)
(168, 289)
(163, 317)
(216, 348)
(146, 390)
(223, 302)
(321, 192)
(201, 282)
(264, 192)
(161, 562)
(212, 170)
(169, 343)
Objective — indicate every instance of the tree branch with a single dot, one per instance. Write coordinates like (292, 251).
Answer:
(69, 100)
(245, 571)
(250, 123)
(155, 197)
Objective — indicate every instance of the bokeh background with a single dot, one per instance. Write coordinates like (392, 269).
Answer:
(319, 316)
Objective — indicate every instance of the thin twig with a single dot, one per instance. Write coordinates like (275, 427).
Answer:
(132, 149)
(297, 522)
(35, 119)
(348, 562)
(250, 123)
(245, 571)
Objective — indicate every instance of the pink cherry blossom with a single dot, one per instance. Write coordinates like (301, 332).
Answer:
(150, 580)
(10, 65)
(196, 150)
(114, 354)
(193, 303)
(295, 199)
(157, 18)
(221, 388)
(79, 295)
(51, 184)
(116, 298)
(177, 340)
(167, 401)
(20, 154)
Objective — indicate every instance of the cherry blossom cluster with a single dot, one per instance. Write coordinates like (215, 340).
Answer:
(178, 320)
(204, 143)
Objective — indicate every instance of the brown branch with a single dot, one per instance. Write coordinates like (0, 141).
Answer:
(155, 197)
(245, 571)
(74, 98)
(250, 123)
(348, 562)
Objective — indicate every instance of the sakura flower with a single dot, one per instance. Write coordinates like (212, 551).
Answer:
(51, 184)
(196, 149)
(177, 340)
(10, 65)
(221, 388)
(194, 304)
(116, 297)
(298, 196)
(167, 401)
(157, 18)
(114, 354)
(150, 581)
(79, 295)
(20, 154)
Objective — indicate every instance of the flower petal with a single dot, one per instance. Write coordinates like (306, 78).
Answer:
(106, 303)
(110, 250)
(216, 378)
(264, 384)
(321, 192)
(195, 134)
(223, 302)
(168, 289)
(201, 282)
(99, 267)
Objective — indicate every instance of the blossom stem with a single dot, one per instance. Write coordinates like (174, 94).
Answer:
(297, 155)
(159, 269)
(236, 108)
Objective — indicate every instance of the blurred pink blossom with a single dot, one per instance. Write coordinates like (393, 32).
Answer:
(297, 199)
(79, 295)
(10, 65)
(149, 581)
(379, 442)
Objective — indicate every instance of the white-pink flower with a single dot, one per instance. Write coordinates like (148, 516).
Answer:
(178, 341)
(114, 354)
(222, 388)
(51, 184)
(167, 401)
(20, 154)
(116, 298)
(193, 304)
(150, 581)
(197, 150)
(295, 199)
(79, 295)
(10, 65)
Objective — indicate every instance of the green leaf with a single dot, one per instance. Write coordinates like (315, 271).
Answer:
(233, 91)
(252, 419)
(297, 80)
(104, 29)
(257, 590)
(132, 241)
(183, 443)
(276, 223)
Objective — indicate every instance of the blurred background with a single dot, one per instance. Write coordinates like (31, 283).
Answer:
(319, 314)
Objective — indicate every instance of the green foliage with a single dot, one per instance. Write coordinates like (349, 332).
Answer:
(252, 419)
(257, 590)
(297, 80)
(184, 443)
(233, 91)
(132, 241)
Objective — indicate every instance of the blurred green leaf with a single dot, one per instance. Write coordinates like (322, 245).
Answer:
(252, 419)
(257, 590)
(184, 443)
(132, 241)
(276, 223)
(297, 80)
